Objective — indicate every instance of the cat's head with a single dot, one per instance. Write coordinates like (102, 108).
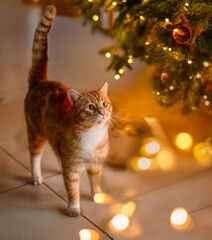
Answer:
(90, 108)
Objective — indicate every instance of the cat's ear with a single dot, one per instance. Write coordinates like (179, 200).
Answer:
(104, 88)
(73, 96)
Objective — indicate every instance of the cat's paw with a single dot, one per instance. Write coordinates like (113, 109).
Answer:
(73, 212)
(38, 180)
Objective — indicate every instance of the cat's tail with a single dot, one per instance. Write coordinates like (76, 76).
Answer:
(38, 71)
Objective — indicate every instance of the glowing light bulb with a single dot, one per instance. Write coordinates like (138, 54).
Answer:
(146, 43)
(189, 62)
(171, 87)
(90, 0)
(175, 30)
(179, 217)
(186, 4)
(84, 234)
(121, 71)
(120, 222)
(130, 56)
(198, 75)
(117, 76)
(114, 4)
(158, 93)
(102, 198)
(206, 64)
(164, 48)
(207, 103)
(165, 160)
(124, 1)
(167, 20)
(201, 153)
(128, 209)
(170, 49)
(205, 96)
(142, 18)
(144, 163)
(95, 18)
(130, 60)
(108, 55)
(152, 148)
(184, 141)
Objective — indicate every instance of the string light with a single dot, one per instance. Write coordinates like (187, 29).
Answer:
(205, 96)
(95, 18)
(189, 62)
(180, 218)
(108, 55)
(170, 49)
(207, 103)
(198, 75)
(186, 4)
(164, 48)
(171, 88)
(124, 1)
(206, 64)
(158, 93)
(130, 60)
(165, 160)
(120, 222)
(90, 0)
(167, 20)
(142, 18)
(101, 198)
(144, 163)
(85, 234)
(128, 209)
(114, 4)
(117, 76)
(147, 43)
(150, 148)
(201, 153)
(184, 140)
(121, 71)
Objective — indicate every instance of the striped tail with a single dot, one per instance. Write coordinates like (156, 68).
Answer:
(38, 71)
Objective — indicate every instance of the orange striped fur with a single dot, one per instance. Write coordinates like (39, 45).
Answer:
(75, 124)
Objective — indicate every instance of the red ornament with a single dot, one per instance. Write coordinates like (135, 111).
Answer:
(182, 34)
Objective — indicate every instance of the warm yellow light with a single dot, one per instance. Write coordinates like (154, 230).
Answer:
(121, 71)
(175, 30)
(130, 60)
(114, 4)
(170, 49)
(206, 64)
(186, 4)
(198, 75)
(90, 0)
(84, 234)
(117, 76)
(189, 62)
(184, 140)
(120, 222)
(167, 20)
(179, 218)
(102, 198)
(146, 43)
(128, 209)
(205, 96)
(108, 55)
(207, 103)
(144, 163)
(95, 18)
(171, 87)
(130, 56)
(165, 160)
(164, 48)
(201, 152)
(152, 148)
(142, 18)
(158, 93)
(124, 1)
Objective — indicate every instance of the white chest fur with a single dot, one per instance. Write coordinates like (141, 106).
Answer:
(93, 137)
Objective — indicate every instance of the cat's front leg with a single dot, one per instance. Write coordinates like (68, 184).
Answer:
(71, 180)
(94, 174)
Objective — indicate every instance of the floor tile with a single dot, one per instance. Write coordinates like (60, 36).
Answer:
(35, 213)
(12, 174)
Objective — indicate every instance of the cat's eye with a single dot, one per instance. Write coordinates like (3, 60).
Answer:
(91, 107)
(104, 104)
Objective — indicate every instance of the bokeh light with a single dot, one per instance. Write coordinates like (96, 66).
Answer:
(202, 153)
(150, 148)
(128, 209)
(165, 160)
(85, 234)
(144, 163)
(119, 222)
(184, 140)
(101, 198)
(180, 218)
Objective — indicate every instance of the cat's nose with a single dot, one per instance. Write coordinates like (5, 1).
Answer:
(102, 112)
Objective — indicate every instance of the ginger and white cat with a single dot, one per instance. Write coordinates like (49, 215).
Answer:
(75, 124)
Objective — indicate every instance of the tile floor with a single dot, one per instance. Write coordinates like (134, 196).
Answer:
(38, 212)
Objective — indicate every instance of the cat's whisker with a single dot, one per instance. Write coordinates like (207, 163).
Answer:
(116, 122)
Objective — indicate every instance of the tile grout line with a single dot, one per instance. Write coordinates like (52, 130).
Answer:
(80, 214)
(187, 177)
(10, 155)
(14, 188)
(202, 208)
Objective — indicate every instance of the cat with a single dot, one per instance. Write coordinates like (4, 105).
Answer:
(75, 124)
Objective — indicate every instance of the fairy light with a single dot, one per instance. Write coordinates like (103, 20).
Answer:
(120, 222)
(164, 48)
(205, 64)
(184, 140)
(186, 4)
(144, 163)
(205, 96)
(128, 209)
(179, 218)
(95, 18)
(130, 60)
(142, 18)
(121, 71)
(189, 61)
(117, 76)
(158, 93)
(85, 234)
(124, 1)
(165, 160)
(108, 55)
(175, 30)
(198, 75)
(102, 198)
(146, 56)
(167, 20)
(171, 88)
(170, 49)
(114, 4)
(201, 153)
(90, 0)
(146, 43)
(207, 103)
(150, 148)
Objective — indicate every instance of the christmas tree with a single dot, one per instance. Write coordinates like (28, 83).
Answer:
(173, 35)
